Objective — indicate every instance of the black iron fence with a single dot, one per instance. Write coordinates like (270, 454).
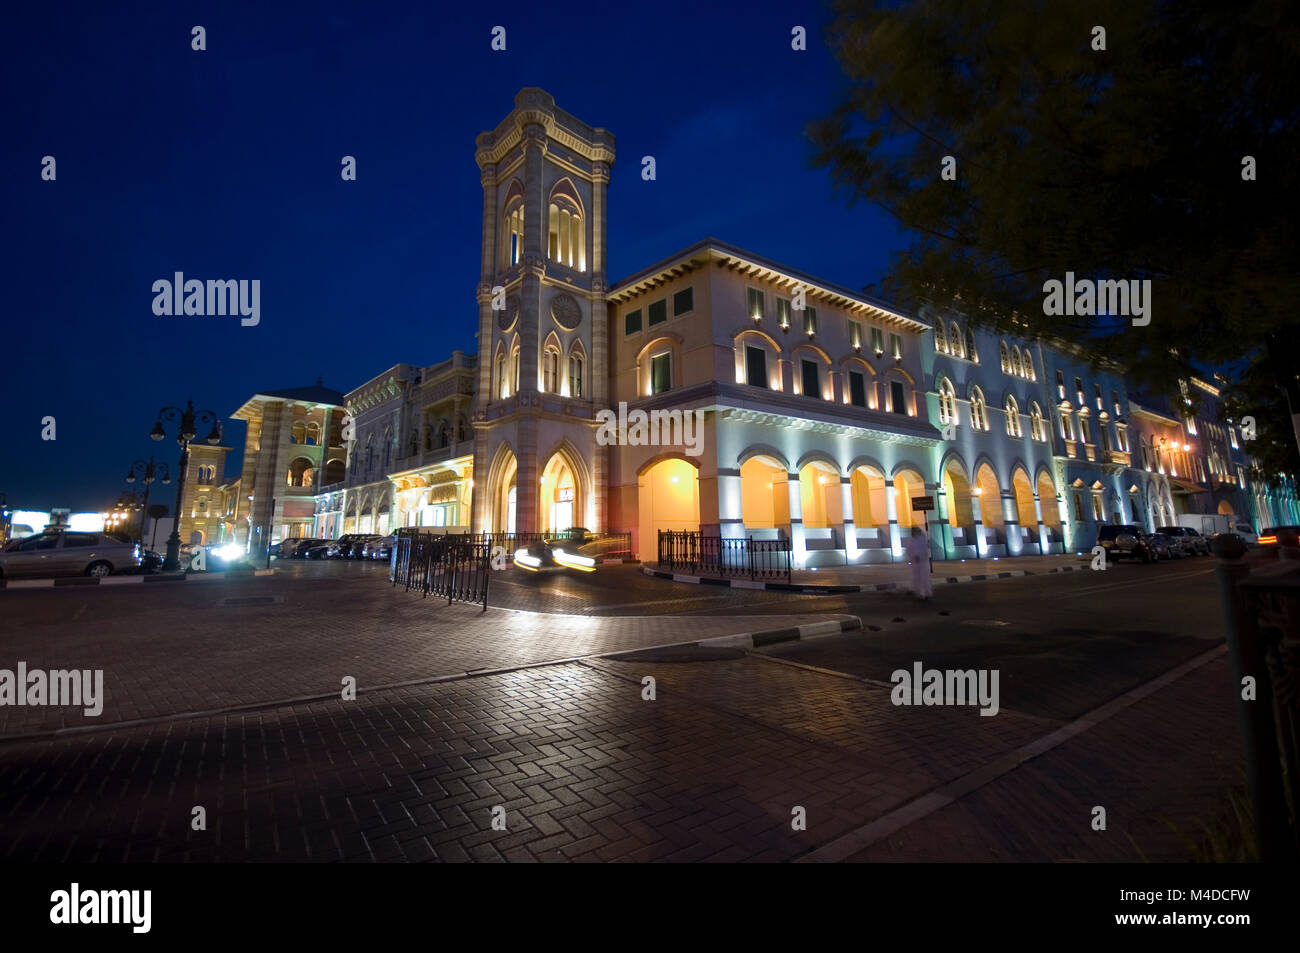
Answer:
(695, 553)
(456, 567)
(1261, 606)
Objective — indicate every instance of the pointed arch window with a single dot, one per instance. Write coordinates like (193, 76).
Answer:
(1014, 426)
(575, 374)
(940, 336)
(979, 414)
(947, 402)
(955, 347)
(551, 369)
(972, 353)
(566, 237)
(1037, 427)
(1005, 357)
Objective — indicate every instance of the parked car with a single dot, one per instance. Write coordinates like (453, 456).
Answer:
(1127, 541)
(150, 561)
(380, 548)
(1163, 547)
(350, 545)
(68, 554)
(315, 549)
(577, 549)
(1185, 541)
(301, 546)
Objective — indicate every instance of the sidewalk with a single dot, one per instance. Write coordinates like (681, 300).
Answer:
(885, 576)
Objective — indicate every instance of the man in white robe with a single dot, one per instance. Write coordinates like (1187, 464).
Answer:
(917, 549)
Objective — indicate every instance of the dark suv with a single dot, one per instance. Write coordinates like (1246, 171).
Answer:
(1126, 541)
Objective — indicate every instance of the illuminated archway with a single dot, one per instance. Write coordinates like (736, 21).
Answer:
(990, 495)
(668, 498)
(764, 493)
(868, 493)
(561, 503)
(1024, 499)
(1047, 503)
(908, 485)
(502, 494)
(819, 495)
(957, 490)
(1225, 509)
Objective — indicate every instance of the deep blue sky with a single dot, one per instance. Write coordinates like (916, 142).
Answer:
(225, 164)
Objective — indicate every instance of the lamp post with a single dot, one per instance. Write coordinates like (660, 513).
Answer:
(146, 472)
(185, 419)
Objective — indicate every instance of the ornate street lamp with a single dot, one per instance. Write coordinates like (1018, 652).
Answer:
(146, 472)
(186, 420)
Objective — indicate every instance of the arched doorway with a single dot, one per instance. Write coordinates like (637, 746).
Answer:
(908, 485)
(990, 495)
(668, 498)
(1225, 508)
(819, 495)
(502, 494)
(764, 493)
(1025, 515)
(560, 497)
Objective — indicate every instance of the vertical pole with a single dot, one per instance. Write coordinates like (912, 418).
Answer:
(1258, 731)
(269, 521)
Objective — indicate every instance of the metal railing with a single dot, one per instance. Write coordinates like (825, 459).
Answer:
(457, 567)
(692, 552)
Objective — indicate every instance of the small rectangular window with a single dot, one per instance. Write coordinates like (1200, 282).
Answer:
(756, 366)
(1232, 437)
(897, 397)
(810, 321)
(1096, 390)
(896, 345)
(683, 302)
(855, 335)
(878, 341)
(632, 322)
(1078, 386)
(661, 373)
(783, 313)
(1114, 399)
(1060, 384)
(657, 313)
(756, 303)
(857, 389)
(811, 382)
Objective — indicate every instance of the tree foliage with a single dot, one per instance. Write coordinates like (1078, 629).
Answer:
(1124, 163)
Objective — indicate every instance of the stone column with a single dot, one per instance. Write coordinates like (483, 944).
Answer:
(1011, 522)
(891, 508)
(798, 538)
(849, 527)
(977, 515)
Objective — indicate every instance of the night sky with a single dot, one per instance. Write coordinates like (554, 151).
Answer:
(225, 164)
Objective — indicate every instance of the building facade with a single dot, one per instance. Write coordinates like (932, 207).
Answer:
(722, 392)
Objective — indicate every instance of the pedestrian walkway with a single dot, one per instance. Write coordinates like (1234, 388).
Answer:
(886, 576)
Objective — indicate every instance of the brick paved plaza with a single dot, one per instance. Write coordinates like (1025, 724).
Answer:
(226, 695)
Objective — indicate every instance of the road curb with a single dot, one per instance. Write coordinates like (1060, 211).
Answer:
(814, 589)
(758, 640)
(78, 582)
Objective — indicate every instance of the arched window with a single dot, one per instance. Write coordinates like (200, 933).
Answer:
(298, 433)
(1037, 430)
(512, 232)
(514, 369)
(979, 415)
(1028, 365)
(566, 237)
(1005, 357)
(947, 402)
(313, 433)
(551, 370)
(971, 352)
(955, 341)
(1014, 427)
(940, 336)
(1016, 367)
(575, 374)
(502, 388)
